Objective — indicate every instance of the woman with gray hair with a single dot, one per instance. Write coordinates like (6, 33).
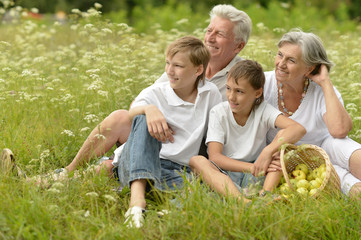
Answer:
(301, 88)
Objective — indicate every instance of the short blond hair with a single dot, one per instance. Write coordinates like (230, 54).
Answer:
(196, 50)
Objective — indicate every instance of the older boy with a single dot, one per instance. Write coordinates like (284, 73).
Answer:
(180, 106)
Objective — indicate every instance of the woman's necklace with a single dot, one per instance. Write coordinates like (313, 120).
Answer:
(280, 91)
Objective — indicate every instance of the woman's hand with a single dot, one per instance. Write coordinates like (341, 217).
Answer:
(157, 125)
(322, 77)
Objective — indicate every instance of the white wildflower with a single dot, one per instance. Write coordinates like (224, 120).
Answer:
(183, 20)
(53, 190)
(103, 93)
(97, 5)
(87, 213)
(76, 11)
(92, 194)
(84, 129)
(91, 118)
(57, 185)
(62, 68)
(34, 10)
(107, 30)
(45, 154)
(68, 133)
(26, 72)
(109, 198)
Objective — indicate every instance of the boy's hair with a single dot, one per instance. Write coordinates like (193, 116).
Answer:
(251, 71)
(242, 22)
(196, 50)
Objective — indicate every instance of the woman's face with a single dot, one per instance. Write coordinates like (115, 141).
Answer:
(289, 65)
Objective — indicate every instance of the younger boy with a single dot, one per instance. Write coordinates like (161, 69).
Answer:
(237, 131)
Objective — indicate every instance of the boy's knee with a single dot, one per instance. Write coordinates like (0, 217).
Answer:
(196, 162)
(119, 116)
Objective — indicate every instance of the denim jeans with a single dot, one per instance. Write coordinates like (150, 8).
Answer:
(242, 180)
(140, 160)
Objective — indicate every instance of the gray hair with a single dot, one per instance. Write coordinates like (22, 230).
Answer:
(242, 22)
(313, 51)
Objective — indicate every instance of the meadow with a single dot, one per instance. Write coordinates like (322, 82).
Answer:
(58, 81)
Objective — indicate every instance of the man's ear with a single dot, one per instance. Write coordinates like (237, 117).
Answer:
(240, 46)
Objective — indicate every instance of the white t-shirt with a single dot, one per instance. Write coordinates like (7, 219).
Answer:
(309, 114)
(243, 143)
(220, 78)
(188, 120)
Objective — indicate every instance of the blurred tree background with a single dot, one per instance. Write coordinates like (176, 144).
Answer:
(353, 7)
(144, 15)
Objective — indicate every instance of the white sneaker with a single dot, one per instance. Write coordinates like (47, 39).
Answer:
(134, 217)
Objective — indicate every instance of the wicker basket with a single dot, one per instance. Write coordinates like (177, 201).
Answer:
(313, 156)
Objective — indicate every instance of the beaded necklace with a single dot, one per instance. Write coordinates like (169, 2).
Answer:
(280, 91)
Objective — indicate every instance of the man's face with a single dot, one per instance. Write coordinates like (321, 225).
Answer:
(220, 40)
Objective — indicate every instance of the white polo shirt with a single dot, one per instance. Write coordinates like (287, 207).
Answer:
(243, 143)
(188, 120)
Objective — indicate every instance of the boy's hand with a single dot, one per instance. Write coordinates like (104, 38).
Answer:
(262, 163)
(157, 125)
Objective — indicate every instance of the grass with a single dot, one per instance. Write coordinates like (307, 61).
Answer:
(57, 82)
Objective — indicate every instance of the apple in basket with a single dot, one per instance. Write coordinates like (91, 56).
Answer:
(302, 191)
(293, 182)
(313, 191)
(303, 183)
(298, 174)
(303, 167)
(314, 184)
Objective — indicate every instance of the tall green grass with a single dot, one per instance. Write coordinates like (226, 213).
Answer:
(57, 82)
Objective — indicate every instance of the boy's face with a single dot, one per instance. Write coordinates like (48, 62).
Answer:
(241, 96)
(182, 74)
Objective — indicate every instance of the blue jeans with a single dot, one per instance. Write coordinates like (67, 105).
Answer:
(242, 179)
(140, 160)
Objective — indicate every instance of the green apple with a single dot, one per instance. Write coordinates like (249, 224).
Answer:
(313, 191)
(298, 174)
(303, 167)
(293, 182)
(310, 176)
(285, 188)
(302, 191)
(323, 175)
(319, 180)
(303, 183)
(314, 184)
(322, 166)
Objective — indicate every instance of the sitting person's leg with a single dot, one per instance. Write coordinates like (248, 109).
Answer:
(114, 128)
(217, 180)
(355, 163)
(350, 185)
(345, 155)
(139, 165)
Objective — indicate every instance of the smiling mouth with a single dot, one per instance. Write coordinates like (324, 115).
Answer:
(280, 71)
(212, 47)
